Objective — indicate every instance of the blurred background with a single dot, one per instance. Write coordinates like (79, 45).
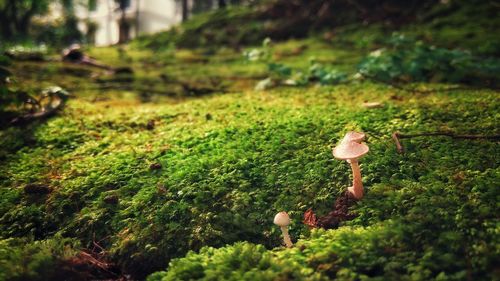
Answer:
(99, 22)
(107, 22)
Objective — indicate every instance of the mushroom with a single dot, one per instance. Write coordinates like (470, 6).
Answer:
(354, 136)
(283, 221)
(351, 151)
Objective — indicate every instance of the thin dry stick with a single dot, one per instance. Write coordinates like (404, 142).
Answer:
(397, 136)
(399, 147)
(90, 259)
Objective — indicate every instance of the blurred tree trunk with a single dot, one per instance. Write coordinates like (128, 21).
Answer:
(200, 6)
(71, 33)
(222, 3)
(185, 10)
(122, 33)
(123, 25)
(24, 21)
(137, 15)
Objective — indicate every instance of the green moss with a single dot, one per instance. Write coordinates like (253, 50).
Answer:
(383, 251)
(243, 261)
(223, 178)
(24, 259)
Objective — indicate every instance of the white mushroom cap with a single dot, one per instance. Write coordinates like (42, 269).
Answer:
(282, 219)
(353, 136)
(350, 150)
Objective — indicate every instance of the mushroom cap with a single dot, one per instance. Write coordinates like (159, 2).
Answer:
(282, 219)
(353, 136)
(350, 150)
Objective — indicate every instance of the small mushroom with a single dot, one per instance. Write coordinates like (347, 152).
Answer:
(283, 221)
(351, 151)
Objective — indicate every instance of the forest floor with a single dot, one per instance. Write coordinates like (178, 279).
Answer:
(140, 169)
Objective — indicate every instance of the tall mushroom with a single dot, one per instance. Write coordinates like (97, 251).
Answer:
(355, 137)
(351, 151)
(283, 221)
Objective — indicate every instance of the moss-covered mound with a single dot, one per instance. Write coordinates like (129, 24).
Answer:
(377, 252)
(228, 163)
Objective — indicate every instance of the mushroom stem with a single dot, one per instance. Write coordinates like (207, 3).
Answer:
(286, 236)
(357, 185)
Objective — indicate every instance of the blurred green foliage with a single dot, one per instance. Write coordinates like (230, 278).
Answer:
(6, 97)
(403, 60)
(407, 60)
(16, 16)
(281, 74)
(21, 26)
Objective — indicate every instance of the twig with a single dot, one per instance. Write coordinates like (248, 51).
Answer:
(399, 147)
(397, 135)
(99, 247)
(90, 259)
(104, 266)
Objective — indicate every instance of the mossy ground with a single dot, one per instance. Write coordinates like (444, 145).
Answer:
(232, 158)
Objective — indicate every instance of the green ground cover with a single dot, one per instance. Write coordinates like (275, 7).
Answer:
(188, 181)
